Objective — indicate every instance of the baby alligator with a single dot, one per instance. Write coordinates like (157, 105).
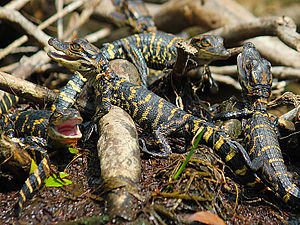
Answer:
(137, 15)
(261, 140)
(150, 111)
(39, 129)
(157, 50)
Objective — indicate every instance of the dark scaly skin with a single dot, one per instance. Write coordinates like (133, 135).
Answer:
(39, 129)
(69, 92)
(157, 50)
(35, 181)
(137, 15)
(150, 111)
(7, 101)
(261, 140)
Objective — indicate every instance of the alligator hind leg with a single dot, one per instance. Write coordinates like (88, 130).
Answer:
(161, 132)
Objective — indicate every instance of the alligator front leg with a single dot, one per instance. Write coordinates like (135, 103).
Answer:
(138, 60)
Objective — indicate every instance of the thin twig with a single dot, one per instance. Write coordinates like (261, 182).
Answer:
(71, 7)
(226, 80)
(59, 6)
(84, 16)
(102, 33)
(31, 29)
(16, 4)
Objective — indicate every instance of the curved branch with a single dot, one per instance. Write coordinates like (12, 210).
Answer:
(283, 27)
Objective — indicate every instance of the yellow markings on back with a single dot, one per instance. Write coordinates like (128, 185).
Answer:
(172, 113)
(138, 40)
(136, 109)
(158, 44)
(105, 99)
(4, 105)
(219, 143)
(144, 115)
(230, 155)
(258, 127)
(36, 122)
(151, 43)
(196, 127)
(128, 47)
(37, 176)
(242, 171)
(74, 86)
(252, 150)
(100, 75)
(175, 39)
(209, 131)
(22, 196)
(269, 147)
(110, 51)
(132, 93)
(159, 113)
(9, 99)
(122, 96)
(66, 98)
(252, 184)
(128, 107)
(28, 184)
(287, 197)
(147, 99)
(24, 123)
(46, 167)
(288, 189)
(40, 133)
(275, 160)
(185, 116)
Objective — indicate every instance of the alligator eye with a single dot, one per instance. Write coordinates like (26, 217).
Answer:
(75, 46)
(249, 66)
(205, 43)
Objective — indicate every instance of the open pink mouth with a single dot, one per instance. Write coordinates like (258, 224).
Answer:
(66, 57)
(69, 128)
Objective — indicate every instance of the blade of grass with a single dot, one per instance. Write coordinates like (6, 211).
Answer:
(195, 143)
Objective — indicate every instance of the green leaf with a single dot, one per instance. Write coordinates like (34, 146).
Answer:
(73, 150)
(53, 181)
(33, 166)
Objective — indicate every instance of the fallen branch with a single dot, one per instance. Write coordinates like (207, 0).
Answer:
(283, 27)
(175, 15)
(279, 72)
(26, 89)
(119, 156)
(14, 161)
